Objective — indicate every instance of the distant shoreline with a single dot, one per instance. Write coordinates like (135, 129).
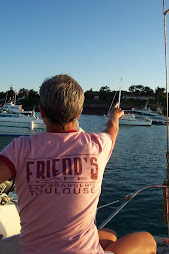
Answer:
(95, 109)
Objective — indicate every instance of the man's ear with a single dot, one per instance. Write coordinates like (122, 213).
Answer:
(41, 112)
(78, 116)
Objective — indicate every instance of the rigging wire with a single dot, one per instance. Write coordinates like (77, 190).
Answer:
(114, 98)
(112, 103)
(111, 203)
(166, 182)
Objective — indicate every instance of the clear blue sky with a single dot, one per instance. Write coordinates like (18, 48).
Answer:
(95, 41)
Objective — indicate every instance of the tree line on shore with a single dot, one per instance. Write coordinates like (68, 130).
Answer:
(137, 96)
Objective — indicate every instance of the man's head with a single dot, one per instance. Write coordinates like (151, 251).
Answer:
(61, 98)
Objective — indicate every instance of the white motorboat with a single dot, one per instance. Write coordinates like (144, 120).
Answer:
(156, 117)
(14, 121)
(145, 112)
(13, 124)
(13, 108)
(131, 120)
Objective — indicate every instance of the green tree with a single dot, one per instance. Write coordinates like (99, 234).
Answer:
(159, 91)
(89, 94)
(132, 89)
(33, 94)
(105, 89)
(139, 89)
(148, 91)
(23, 92)
(105, 93)
(160, 95)
(2, 95)
(32, 101)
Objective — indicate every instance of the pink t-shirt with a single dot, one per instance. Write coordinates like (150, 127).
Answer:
(58, 183)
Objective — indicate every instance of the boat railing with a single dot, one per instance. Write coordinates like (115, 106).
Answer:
(127, 199)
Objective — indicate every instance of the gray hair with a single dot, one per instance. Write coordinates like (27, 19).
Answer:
(61, 98)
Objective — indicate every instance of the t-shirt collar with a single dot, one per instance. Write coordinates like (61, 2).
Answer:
(60, 131)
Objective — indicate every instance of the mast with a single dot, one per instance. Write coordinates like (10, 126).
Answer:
(114, 98)
(166, 182)
(120, 92)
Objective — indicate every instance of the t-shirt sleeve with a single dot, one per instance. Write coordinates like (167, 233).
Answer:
(105, 143)
(12, 154)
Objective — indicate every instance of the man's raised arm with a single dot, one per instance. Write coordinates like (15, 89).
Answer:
(112, 127)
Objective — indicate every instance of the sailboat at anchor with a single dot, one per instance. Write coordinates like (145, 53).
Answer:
(129, 119)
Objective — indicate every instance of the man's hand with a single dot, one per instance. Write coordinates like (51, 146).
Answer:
(113, 123)
(116, 111)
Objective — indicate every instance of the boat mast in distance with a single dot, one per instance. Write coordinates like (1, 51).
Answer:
(120, 92)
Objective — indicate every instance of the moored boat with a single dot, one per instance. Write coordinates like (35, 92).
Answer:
(128, 118)
(156, 117)
(131, 120)
(13, 124)
(145, 112)
(10, 106)
(15, 121)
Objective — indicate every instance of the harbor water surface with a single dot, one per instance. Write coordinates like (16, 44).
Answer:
(138, 160)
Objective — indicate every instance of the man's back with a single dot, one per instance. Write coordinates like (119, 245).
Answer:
(58, 183)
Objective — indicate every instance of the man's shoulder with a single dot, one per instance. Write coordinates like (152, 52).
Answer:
(102, 135)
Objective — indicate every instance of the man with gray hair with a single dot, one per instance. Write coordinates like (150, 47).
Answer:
(58, 177)
(61, 99)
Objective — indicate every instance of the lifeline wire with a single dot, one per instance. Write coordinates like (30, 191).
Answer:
(128, 198)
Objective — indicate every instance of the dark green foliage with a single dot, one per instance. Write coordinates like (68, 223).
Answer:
(138, 97)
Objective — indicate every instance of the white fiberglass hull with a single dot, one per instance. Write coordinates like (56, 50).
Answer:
(156, 119)
(16, 126)
(135, 122)
(129, 119)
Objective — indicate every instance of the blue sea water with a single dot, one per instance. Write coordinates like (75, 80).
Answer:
(138, 160)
